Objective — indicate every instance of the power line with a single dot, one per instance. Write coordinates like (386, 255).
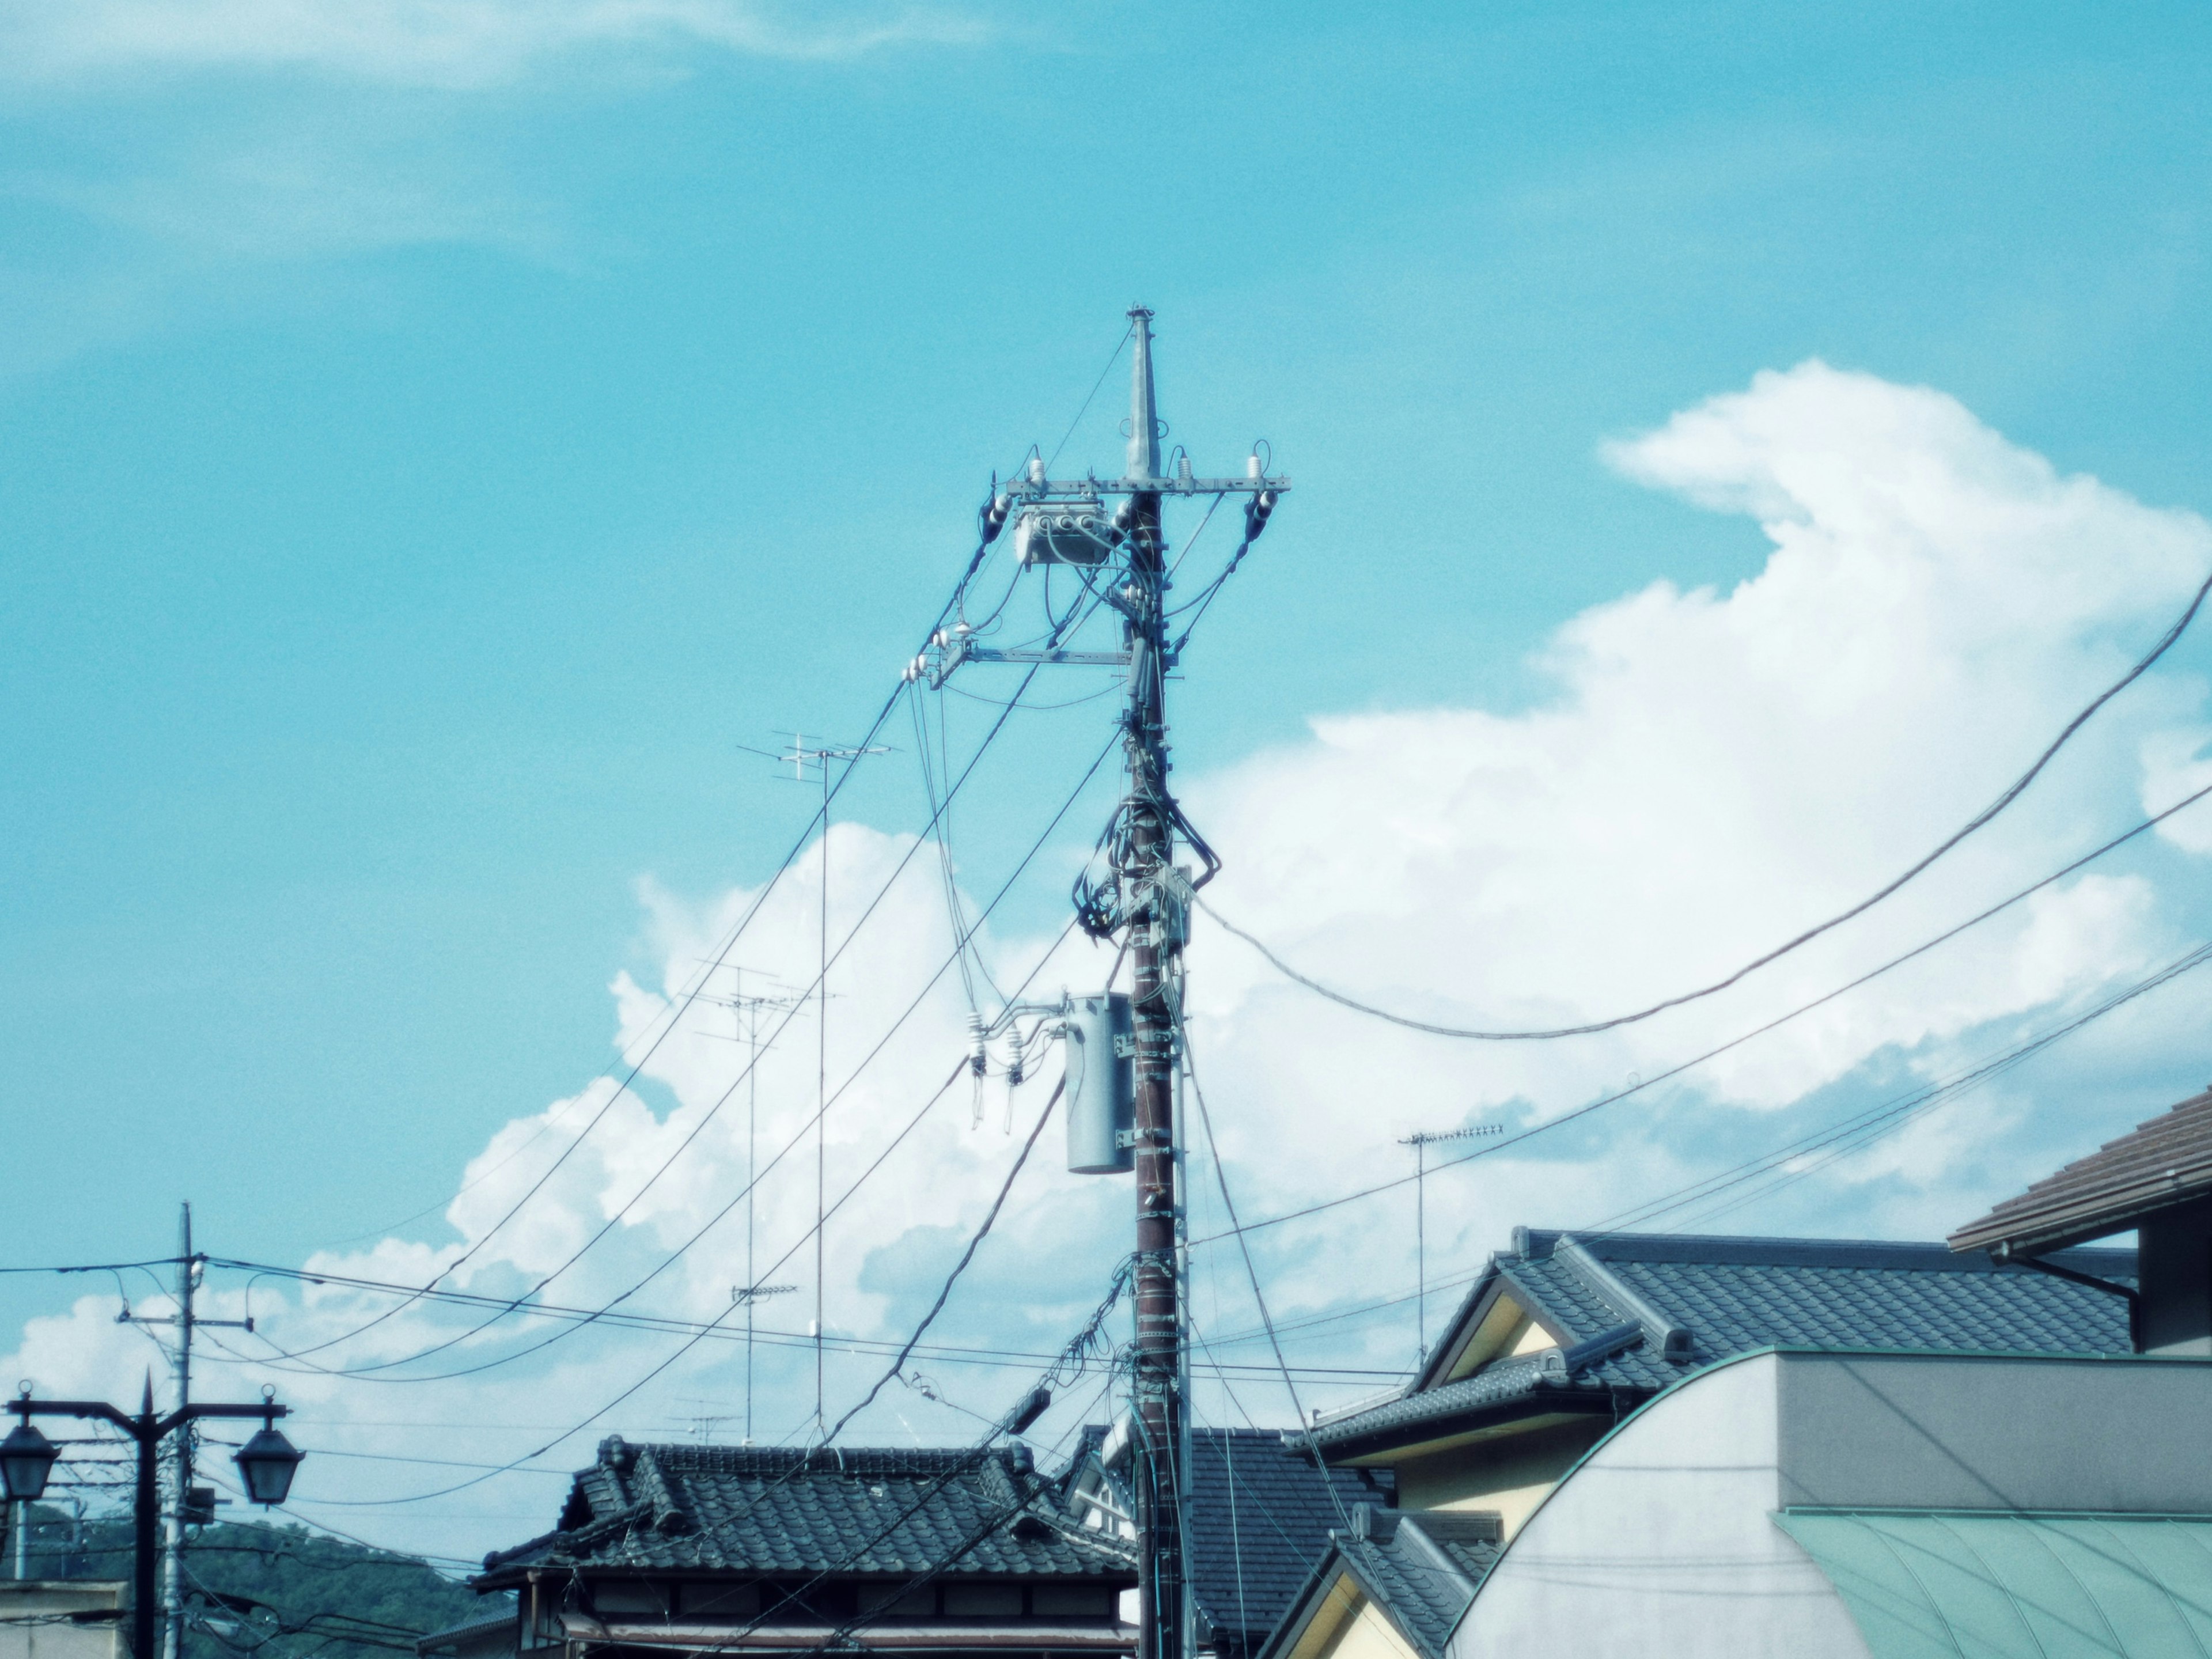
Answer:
(2011, 794)
(974, 1242)
(1643, 1084)
(374, 1371)
(694, 1340)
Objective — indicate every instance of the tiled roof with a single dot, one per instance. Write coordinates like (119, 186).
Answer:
(2163, 1161)
(1261, 1515)
(1421, 1569)
(1636, 1312)
(502, 1617)
(753, 1510)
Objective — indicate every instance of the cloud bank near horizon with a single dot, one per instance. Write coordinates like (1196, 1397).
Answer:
(1716, 771)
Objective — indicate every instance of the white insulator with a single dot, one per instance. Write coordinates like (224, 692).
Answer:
(1037, 469)
(1252, 465)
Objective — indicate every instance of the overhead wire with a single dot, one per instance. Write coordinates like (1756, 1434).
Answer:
(1861, 1129)
(681, 1004)
(2011, 792)
(945, 1292)
(700, 1124)
(694, 1340)
(1643, 1084)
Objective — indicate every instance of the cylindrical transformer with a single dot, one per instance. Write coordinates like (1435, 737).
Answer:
(1101, 1091)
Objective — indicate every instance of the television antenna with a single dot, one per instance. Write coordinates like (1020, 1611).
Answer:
(1420, 1141)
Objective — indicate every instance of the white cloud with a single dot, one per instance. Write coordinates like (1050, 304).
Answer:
(1715, 771)
(437, 43)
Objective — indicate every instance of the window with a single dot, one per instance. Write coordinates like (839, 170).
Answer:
(897, 1601)
(1071, 1600)
(712, 1601)
(982, 1600)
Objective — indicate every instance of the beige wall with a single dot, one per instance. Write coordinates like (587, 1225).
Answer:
(1350, 1626)
(34, 1622)
(1510, 1473)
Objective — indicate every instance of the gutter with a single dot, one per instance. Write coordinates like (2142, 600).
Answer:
(2003, 1252)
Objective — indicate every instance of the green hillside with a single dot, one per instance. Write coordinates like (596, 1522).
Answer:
(277, 1592)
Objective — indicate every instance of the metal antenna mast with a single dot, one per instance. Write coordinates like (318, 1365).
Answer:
(1420, 1141)
(748, 1011)
(799, 757)
(1145, 898)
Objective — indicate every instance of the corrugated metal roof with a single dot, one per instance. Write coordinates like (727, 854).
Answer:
(1994, 1585)
(2163, 1161)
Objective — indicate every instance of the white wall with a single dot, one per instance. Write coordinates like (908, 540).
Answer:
(1662, 1545)
(1663, 1541)
(35, 1619)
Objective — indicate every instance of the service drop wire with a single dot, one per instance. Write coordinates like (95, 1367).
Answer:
(370, 1374)
(1076, 1352)
(715, 1325)
(1653, 1081)
(712, 1112)
(1251, 1271)
(1863, 1129)
(683, 1004)
(960, 1267)
(2012, 793)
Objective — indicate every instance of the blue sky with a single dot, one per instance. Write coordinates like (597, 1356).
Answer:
(425, 459)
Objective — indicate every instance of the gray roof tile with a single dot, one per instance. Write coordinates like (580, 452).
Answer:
(1732, 1295)
(768, 1510)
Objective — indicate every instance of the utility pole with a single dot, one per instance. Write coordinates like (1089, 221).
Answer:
(1120, 559)
(180, 1456)
(179, 1511)
(1146, 853)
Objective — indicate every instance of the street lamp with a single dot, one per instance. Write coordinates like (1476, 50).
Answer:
(26, 1458)
(266, 1463)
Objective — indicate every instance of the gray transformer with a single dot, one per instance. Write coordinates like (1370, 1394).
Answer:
(1076, 533)
(1101, 1085)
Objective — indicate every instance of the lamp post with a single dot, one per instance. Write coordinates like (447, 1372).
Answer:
(265, 1464)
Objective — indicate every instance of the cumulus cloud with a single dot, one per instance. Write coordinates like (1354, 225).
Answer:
(1713, 772)
(1716, 772)
(439, 43)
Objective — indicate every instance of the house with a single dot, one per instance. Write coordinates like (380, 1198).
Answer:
(488, 1635)
(2156, 1182)
(1261, 1515)
(1565, 1335)
(64, 1619)
(1391, 1583)
(1833, 1450)
(666, 1549)
(1834, 1503)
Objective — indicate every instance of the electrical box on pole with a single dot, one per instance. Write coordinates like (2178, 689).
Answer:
(1100, 1059)
(1123, 1053)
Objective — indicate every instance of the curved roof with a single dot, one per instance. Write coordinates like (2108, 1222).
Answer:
(1937, 1585)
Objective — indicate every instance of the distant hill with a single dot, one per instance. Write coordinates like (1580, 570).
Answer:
(276, 1592)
